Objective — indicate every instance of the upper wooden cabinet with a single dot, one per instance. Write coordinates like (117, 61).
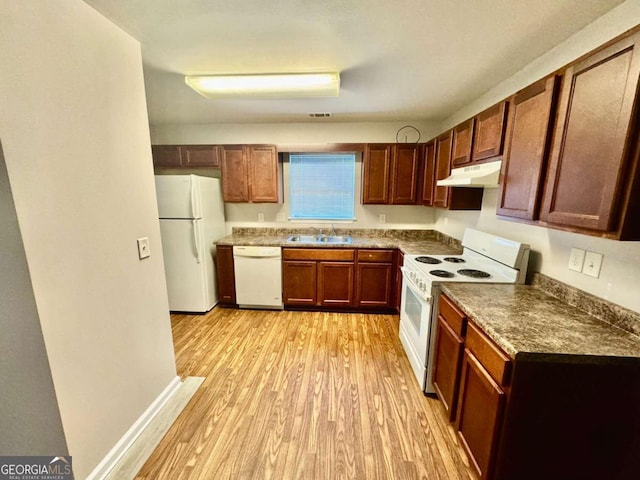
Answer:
(462, 143)
(592, 182)
(528, 137)
(443, 168)
(376, 171)
(391, 174)
(186, 156)
(429, 173)
(455, 198)
(488, 135)
(250, 173)
(405, 166)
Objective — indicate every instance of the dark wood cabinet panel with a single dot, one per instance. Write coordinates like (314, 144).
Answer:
(201, 156)
(235, 174)
(335, 284)
(443, 168)
(398, 282)
(429, 173)
(462, 143)
(250, 173)
(588, 178)
(225, 275)
(528, 138)
(299, 282)
(376, 171)
(488, 137)
(374, 285)
(446, 367)
(479, 417)
(186, 156)
(263, 174)
(405, 164)
(167, 156)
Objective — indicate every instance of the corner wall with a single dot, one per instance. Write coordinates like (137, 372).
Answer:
(620, 274)
(75, 134)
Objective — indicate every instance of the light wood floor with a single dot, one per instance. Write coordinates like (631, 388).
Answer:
(305, 395)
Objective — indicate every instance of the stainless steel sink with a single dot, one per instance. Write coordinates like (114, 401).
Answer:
(319, 239)
(334, 239)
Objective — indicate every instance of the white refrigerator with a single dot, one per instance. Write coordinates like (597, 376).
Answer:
(191, 219)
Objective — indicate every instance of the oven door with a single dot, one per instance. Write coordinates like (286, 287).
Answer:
(415, 326)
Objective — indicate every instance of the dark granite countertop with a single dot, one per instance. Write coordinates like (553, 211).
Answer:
(408, 241)
(523, 319)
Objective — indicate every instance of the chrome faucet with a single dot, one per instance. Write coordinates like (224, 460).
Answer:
(333, 230)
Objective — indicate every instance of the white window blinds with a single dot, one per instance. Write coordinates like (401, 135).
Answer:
(322, 186)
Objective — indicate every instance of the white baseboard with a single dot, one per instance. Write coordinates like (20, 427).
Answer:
(116, 453)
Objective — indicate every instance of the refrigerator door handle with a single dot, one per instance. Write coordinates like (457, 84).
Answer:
(196, 236)
(191, 195)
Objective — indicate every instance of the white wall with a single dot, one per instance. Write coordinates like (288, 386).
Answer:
(620, 276)
(76, 142)
(31, 423)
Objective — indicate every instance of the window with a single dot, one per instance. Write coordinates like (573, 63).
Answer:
(322, 186)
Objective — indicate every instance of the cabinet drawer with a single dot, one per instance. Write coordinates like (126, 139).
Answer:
(452, 316)
(380, 256)
(494, 360)
(329, 254)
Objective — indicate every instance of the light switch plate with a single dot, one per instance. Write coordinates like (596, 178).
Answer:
(261, 217)
(592, 264)
(143, 248)
(576, 259)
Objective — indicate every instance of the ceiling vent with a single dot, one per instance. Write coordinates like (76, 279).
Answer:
(320, 115)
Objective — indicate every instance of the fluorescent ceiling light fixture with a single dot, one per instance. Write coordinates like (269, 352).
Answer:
(277, 85)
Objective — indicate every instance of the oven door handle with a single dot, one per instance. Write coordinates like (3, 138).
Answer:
(422, 295)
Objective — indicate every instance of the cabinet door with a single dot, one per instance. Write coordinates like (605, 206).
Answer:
(429, 174)
(443, 168)
(225, 275)
(591, 145)
(335, 284)
(263, 174)
(462, 142)
(167, 156)
(374, 285)
(376, 166)
(528, 137)
(488, 137)
(398, 280)
(446, 367)
(201, 156)
(480, 411)
(405, 163)
(299, 283)
(235, 174)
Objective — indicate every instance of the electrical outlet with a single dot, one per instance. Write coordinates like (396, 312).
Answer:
(143, 248)
(261, 217)
(592, 264)
(576, 259)
(382, 218)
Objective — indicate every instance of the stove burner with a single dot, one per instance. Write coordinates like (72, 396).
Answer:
(441, 273)
(454, 260)
(429, 260)
(474, 273)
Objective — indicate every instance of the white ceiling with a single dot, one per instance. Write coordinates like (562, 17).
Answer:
(399, 59)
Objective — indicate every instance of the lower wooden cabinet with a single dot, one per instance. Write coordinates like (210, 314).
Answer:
(480, 413)
(299, 282)
(446, 373)
(335, 284)
(398, 285)
(318, 277)
(225, 275)
(338, 278)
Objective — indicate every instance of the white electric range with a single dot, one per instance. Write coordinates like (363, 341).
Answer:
(485, 258)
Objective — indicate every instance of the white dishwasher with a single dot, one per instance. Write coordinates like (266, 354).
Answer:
(258, 272)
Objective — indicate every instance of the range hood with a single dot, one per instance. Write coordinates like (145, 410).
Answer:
(482, 175)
